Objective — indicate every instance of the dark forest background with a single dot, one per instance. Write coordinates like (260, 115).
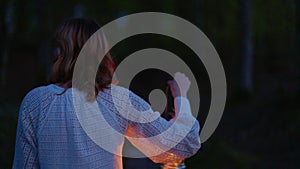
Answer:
(258, 43)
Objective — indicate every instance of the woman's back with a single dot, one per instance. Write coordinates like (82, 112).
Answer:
(50, 134)
(57, 135)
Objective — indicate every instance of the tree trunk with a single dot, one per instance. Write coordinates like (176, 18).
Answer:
(297, 12)
(247, 55)
(196, 12)
(9, 30)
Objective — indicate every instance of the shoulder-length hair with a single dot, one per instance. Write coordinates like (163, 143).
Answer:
(69, 39)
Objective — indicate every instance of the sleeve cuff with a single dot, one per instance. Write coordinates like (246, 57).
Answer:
(182, 105)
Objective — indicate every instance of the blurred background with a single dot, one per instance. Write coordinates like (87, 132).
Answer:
(258, 43)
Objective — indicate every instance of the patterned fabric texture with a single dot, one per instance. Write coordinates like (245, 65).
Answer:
(49, 134)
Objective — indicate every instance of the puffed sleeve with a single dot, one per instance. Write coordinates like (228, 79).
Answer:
(26, 152)
(161, 140)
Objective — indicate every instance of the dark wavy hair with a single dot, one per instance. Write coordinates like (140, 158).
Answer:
(69, 39)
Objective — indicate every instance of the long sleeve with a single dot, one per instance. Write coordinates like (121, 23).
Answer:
(160, 140)
(51, 135)
(26, 152)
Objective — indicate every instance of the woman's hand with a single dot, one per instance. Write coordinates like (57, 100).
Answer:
(180, 85)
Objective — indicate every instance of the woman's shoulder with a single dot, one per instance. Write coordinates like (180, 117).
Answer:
(120, 92)
(116, 89)
(123, 95)
(34, 92)
(38, 93)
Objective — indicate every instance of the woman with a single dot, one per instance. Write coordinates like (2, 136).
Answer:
(50, 134)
